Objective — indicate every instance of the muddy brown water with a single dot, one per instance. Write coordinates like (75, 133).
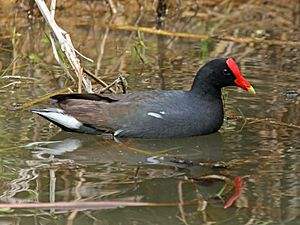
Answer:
(40, 163)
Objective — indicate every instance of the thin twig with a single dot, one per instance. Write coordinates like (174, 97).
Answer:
(98, 80)
(10, 65)
(17, 77)
(115, 82)
(252, 120)
(91, 205)
(52, 187)
(80, 81)
(246, 40)
(11, 84)
(180, 207)
(102, 47)
(112, 6)
(72, 217)
(14, 45)
(43, 98)
(270, 121)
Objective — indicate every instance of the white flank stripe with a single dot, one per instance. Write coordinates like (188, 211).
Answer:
(63, 119)
(117, 132)
(156, 115)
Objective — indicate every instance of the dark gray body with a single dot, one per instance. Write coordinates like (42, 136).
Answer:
(149, 114)
(182, 114)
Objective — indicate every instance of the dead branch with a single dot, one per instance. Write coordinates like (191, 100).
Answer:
(90, 205)
(43, 98)
(246, 40)
(270, 121)
(64, 41)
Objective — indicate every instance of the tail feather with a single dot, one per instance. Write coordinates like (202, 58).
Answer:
(59, 118)
(65, 121)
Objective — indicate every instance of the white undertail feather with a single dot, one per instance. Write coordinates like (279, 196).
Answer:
(58, 116)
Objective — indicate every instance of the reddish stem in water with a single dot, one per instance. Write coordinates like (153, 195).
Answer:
(238, 184)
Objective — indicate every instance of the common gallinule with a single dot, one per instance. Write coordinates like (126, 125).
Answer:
(151, 114)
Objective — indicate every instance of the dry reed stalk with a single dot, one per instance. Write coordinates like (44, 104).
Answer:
(246, 40)
(65, 43)
(92, 204)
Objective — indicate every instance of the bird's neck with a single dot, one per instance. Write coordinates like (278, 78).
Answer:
(202, 86)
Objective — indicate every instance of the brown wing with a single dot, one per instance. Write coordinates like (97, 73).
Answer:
(94, 110)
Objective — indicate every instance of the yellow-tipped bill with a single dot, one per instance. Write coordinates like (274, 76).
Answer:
(251, 90)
